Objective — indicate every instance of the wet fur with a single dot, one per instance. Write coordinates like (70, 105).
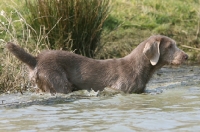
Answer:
(58, 71)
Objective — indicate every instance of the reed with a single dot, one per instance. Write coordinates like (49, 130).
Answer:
(13, 73)
(69, 24)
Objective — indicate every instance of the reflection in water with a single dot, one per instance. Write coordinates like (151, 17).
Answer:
(172, 104)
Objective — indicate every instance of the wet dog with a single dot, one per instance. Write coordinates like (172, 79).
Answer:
(57, 71)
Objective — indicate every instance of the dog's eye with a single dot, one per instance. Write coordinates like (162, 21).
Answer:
(170, 46)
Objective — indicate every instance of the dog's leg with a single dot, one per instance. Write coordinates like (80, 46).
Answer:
(56, 82)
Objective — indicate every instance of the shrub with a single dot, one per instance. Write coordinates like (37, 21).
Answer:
(69, 24)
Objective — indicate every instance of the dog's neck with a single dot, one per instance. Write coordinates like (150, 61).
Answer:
(142, 69)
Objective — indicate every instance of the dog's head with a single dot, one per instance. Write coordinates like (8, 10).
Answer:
(162, 49)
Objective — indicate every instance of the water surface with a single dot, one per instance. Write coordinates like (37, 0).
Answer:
(171, 103)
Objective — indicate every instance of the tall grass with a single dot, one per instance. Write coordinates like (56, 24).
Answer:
(69, 24)
(13, 27)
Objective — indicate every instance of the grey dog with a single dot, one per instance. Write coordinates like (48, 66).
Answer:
(57, 71)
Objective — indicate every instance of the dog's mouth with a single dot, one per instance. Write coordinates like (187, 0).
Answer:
(180, 60)
(175, 64)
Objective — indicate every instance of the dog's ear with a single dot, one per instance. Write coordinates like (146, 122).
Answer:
(152, 52)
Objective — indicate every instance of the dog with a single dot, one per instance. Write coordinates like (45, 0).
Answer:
(57, 71)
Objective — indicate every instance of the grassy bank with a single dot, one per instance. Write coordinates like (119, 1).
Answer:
(129, 23)
(132, 21)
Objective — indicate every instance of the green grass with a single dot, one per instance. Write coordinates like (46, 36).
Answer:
(135, 20)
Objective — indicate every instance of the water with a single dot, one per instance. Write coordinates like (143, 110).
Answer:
(172, 103)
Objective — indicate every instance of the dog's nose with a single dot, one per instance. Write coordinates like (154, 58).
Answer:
(186, 57)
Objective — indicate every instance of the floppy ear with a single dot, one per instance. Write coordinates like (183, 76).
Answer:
(152, 52)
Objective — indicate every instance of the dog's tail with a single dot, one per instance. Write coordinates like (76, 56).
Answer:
(22, 55)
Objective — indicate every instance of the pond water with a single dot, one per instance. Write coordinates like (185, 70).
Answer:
(172, 103)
